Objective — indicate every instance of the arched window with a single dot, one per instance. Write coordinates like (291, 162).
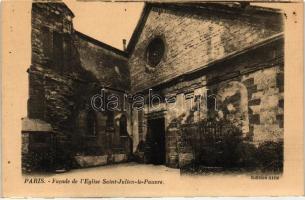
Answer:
(91, 123)
(123, 125)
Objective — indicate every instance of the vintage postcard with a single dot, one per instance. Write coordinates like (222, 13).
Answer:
(152, 99)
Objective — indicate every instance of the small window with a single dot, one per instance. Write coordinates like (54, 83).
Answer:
(91, 123)
(171, 99)
(189, 95)
(155, 52)
(123, 126)
(110, 119)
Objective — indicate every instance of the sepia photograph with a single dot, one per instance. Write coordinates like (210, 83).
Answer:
(155, 93)
(199, 87)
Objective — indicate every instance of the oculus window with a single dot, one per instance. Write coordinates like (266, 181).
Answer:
(155, 51)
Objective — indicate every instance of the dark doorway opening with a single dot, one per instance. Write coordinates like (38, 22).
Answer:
(156, 133)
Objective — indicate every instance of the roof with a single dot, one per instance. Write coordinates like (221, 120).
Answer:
(243, 8)
(35, 125)
(101, 44)
(196, 8)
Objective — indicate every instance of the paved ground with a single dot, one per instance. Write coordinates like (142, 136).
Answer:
(128, 167)
(123, 169)
(132, 170)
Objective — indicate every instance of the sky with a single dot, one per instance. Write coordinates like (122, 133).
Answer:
(106, 22)
(111, 22)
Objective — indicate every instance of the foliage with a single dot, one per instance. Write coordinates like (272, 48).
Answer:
(222, 144)
(270, 156)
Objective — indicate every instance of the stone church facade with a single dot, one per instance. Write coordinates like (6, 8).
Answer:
(184, 53)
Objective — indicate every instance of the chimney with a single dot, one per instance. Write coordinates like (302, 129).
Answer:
(124, 45)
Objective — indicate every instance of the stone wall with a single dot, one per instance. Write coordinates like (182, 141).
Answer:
(194, 38)
(246, 88)
(62, 79)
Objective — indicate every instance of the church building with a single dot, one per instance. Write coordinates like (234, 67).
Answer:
(91, 104)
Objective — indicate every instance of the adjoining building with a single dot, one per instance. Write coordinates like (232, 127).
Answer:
(178, 57)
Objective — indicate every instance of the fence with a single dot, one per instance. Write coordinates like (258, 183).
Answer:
(210, 140)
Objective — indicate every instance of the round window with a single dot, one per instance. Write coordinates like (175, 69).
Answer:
(155, 51)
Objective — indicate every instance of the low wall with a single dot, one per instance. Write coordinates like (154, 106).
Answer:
(90, 161)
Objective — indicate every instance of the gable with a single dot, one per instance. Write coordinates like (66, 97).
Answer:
(195, 38)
